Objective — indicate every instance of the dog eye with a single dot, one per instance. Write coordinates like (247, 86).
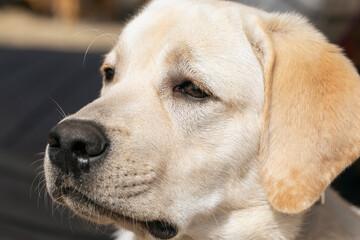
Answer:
(109, 74)
(191, 89)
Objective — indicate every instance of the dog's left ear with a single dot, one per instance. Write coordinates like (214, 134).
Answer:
(311, 116)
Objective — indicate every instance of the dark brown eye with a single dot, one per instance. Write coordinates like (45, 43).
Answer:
(109, 74)
(192, 90)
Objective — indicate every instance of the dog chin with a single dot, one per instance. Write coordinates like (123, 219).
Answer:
(89, 209)
(85, 207)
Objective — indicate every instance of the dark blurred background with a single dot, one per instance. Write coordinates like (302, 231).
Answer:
(50, 53)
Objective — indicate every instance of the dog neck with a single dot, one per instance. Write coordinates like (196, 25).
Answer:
(247, 215)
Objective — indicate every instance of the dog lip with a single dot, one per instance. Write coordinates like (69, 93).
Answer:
(78, 196)
(157, 228)
(57, 196)
(161, 230)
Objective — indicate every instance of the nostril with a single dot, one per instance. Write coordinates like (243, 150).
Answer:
(88, 149)
(79, 149)
(54, 142)
(95, 149)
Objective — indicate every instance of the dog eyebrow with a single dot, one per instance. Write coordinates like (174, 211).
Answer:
(182, 64)
(109, 60)
(183, 61)
(179, 54)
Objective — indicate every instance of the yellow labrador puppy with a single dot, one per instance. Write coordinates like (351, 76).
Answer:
(215, 121)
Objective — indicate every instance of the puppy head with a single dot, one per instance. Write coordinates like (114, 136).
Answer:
(178, 124)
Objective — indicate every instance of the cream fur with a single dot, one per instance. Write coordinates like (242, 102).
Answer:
(248, 162)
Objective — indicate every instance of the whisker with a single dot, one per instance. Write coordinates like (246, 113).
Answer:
(43, 191)
(215, 219)
(38, 175)
(38, 178)
(36, 161)
(40, 154)
(59, 108)
(46, 199)
(87, 30)
(94, 30)
(88, 48)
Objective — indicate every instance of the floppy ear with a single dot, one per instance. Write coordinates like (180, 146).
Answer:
(311, 115)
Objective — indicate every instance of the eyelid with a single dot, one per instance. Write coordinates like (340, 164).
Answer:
(200, 85)
(183, 89)
(104, 67)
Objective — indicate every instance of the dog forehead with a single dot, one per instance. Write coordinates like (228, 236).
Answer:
(211, 30)
(165, 20)
(209, 27)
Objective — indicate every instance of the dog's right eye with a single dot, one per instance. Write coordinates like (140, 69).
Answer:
(109, 74)
(193, 90)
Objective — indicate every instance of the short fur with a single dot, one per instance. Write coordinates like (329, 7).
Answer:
(247, 163)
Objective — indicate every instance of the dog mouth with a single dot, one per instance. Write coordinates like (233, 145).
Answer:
(161, 230)
(157, 228)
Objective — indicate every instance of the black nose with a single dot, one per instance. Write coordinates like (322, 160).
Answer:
(75, 145)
